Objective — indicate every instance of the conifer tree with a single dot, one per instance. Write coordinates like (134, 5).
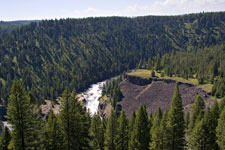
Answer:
(212, 124)
(196, 109)
(75, 122)
(221, 105)
(201, 137)
(122, 133)
(53, 136)
(220, 130)
(97, 133)
(131, 127)
(155, 130)
(196, 139)
(111, 132)
(19, 114)
(164, 136)
(5, 139)
(176, 124)
(141, 133)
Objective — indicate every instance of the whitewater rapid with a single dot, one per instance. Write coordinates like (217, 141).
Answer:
(92, 95)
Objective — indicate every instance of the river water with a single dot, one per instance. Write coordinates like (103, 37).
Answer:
(93, 94)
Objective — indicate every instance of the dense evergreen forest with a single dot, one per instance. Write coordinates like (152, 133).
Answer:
(49, 55)
(73, 129)
(207, 65)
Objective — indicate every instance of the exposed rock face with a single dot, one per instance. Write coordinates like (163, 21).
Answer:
(157, 92)
(154, 93)
(104, 107)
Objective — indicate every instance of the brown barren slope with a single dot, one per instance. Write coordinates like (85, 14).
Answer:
(158, 94)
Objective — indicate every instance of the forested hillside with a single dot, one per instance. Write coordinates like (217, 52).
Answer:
(52, 54)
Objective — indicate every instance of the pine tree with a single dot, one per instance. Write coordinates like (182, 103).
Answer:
(212, 124)
(122, 133)
(97, 133)
(202, 137)
(131, 127)
(164, 136)
(221, 105)
(155, 130)
(111, 132)
(196, 109)
(19, 114)
(176, 124)
(220, 130)
(37, 124)
(53, 137)
(75, 122)
(196, 139)
(140, 137)
(5, 139)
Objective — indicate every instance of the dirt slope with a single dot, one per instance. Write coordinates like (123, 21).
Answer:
(157, 94)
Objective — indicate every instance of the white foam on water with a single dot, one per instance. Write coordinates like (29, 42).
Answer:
(92, 96)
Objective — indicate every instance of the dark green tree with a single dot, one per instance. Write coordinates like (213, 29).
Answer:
(131, 128)
(155, 130)
(75, 122)
(196, 109)
(111, 132)
(141, 133)
(53, 136)
(220, 130)
(5, 139)
(19, 114)
(176, 124)
(97, 133)
(122, 132)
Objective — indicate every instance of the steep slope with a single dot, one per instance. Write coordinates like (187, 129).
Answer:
(52, 54)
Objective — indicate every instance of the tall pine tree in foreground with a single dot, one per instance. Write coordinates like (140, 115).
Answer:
(111, 132)
(196, 110)
(97, 133)
(5, 139)
(53, 137)
(220, 130)
(155, 130)
(75, 122)
(122, 133)
(19, 114)
(131, 127)
(140, 136)
(176, 124)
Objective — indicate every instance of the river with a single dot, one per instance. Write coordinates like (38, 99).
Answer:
(93, 94)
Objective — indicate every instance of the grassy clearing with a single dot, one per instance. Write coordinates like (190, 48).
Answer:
(147, 74)
(141, 73)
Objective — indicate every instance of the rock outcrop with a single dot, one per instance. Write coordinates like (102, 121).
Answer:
(154, 93)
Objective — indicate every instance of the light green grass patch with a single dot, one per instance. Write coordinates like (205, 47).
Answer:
(141, 73)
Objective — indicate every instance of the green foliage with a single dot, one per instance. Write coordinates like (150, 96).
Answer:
(176, 124)
(195, 113)
(74, 121)
(96, 133)
(140, 136)
(220, 130)
(219, 88)
(122, 132)
(51, 54)
(5, 139)
(111, 132)
(155, 130)
(112, 89)
(53, 136)
(131, 129)
(19, 114)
